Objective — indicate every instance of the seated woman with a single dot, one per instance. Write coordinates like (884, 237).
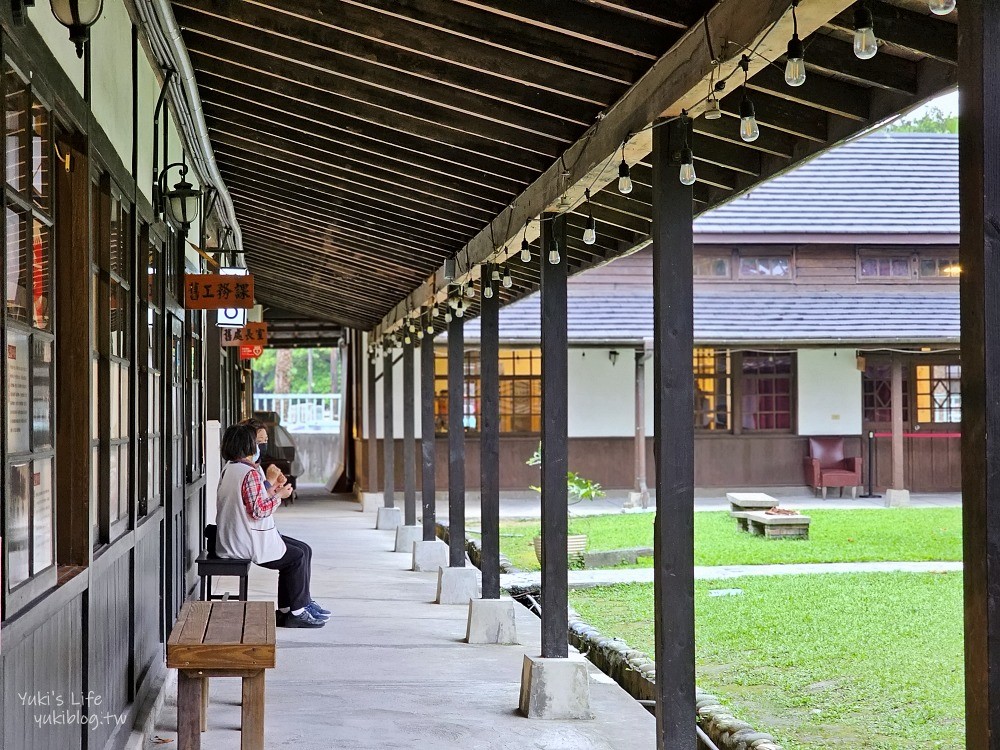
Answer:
(245, 519)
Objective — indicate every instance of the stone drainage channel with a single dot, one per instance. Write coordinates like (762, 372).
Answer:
(634, 670)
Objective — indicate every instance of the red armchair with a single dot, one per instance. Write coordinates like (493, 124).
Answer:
(827, 467)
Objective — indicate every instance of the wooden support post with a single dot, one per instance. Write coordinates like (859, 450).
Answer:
(673, 409)
(427, 449)
(490, 442)
(555, 438)
(979, 192)
(409, 441)
(188, 711)
(388, 440)
(370, 426)
(456, 443)
(898, 460)
(252, 735)
(641, 355)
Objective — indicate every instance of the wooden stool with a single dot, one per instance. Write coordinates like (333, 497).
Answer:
(210, 564)
(221, 639)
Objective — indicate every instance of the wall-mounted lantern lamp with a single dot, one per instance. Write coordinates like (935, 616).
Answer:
(77, 16)
(183, 200)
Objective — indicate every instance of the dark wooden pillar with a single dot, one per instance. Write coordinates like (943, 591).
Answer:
(409, 441)
(456, 443)
(370, 426)
(555, 438)
(428, 488)
(490, 442)
(898, 455)
(979, 193)
(388, 440)
(673, 420)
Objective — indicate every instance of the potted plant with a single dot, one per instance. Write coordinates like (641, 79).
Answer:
(579, 489)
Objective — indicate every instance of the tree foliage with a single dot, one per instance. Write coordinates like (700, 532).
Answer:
(934, 120)
(264, 370)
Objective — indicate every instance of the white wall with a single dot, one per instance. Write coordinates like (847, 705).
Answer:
(829, 392)
(56, 37)
(397, 391)
(111, 76)
(601, 394)
(149, 91)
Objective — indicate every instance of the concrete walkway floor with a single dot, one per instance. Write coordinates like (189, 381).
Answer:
(583, 579)
(390, 669)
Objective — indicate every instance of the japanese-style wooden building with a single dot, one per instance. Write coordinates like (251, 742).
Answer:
(371, 161)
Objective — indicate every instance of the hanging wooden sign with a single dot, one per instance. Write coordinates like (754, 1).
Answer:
(216, 291)
(250, 351)
(251, 333)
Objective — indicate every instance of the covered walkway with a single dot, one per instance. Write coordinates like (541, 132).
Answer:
(390, 669)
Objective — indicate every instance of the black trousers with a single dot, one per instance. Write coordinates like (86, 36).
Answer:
(294, 572)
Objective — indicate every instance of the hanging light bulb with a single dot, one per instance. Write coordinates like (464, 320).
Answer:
(460, 310)
(435, 312)
(496, 273)
(525, 251)
(624, 177)
(590, 233)
(687, 175)
(447, 316)
(713, 111)
(508, 281)
(407, 339)
(865, 43)
(941, 7)
(412, 327)
(749, 131)
(488, 291)
(795, 67)
(420, 335)
(554, 257)
(430, 327)
(470, 291)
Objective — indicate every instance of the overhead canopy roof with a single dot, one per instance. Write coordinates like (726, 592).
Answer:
(366, 141)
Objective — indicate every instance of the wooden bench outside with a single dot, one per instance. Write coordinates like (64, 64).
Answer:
(776, 527)
(221, 639)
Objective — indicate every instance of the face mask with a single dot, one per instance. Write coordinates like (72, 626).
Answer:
(256, 455)
(262, 449)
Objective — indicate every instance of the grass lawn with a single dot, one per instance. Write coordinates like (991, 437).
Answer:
(863, 535)
(820, 661)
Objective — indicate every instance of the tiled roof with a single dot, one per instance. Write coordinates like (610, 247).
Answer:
(883, 183)
(816, 318)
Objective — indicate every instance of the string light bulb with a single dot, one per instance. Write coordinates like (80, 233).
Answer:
(554, 257)
(420, 334)
(749, 131)
(508, 280)
(941, 7)
(795, 65)
(470, 291)
(713, 111)
(447, 316)
(407, 339)
(525, 251)
(624, 175)
(687, 173)
(430, 327)
(590, 233)
(460, 310)
(865, 43)
(496, 273)
(488, 290)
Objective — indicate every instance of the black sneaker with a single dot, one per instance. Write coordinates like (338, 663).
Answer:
(279, 618)
(304, 620)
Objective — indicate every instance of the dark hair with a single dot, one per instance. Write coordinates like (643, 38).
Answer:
(238, 442)
(254, 424)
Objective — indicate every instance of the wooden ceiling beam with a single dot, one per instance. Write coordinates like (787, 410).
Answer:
(836, 58)
(682, 13)
(427, 51)
(351, 63)
(276, 163)
(771, 141)
(434, 187)
(780, 114)
(823, 93)
(908, 30)
(294, 189)
(384, 115)
(230, 108)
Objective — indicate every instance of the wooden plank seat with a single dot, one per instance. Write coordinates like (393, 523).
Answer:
(221, 639)
(210, 565)
(776, 526)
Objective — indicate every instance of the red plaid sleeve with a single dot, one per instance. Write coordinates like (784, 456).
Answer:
(255, 499)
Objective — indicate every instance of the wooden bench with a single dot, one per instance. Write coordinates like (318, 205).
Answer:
(777, 527)
(742, 502)
(221, 639)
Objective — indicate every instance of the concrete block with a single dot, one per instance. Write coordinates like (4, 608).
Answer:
(897, 498)
(492, 621)
(457, 585)
(428, 556)
(406, 536)
(555, 688)
(389, 518)
(371, 502)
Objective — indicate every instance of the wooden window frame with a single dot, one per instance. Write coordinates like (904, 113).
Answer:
(749, 253)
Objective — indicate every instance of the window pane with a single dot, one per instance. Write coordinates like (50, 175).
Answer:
(43, 517)
(767, 267)
(18, 389)
(18, 533)
(95, 488)
(114, 400)
(41, 392)
(124, 482)
(126, 404)
(41, 295)
(16, 122)
(17, 267)
(40, 164)
(113, 483)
